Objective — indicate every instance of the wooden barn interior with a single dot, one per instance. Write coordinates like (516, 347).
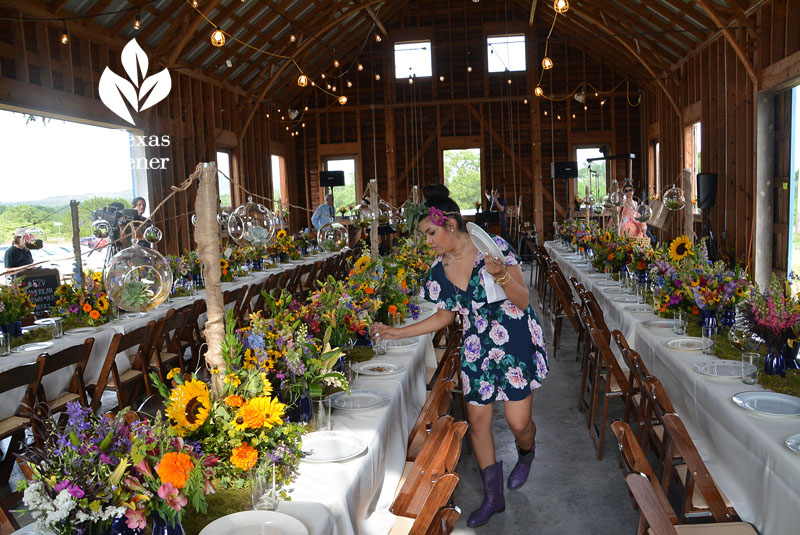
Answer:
(283, 88)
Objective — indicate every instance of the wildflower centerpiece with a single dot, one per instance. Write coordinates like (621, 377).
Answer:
(83, 305)
(611, 252)
(346, 308)
(15, 304)
(671, 273)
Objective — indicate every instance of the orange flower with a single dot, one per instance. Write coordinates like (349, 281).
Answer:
(244, 457)
(94, 314)
(369, 290)
(352, 272)
(405, 301)
(224, 271)
(234, 401)
(640, 265)
(174, 468)
(392, 310)
(695, 310)
(87, 307)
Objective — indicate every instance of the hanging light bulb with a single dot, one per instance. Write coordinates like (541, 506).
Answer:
(336, 63)
(305, 108)
(349, 83)
(328, 87)
(603, 102)
(509, 81)
(585, 108)
(561, 6)
(218, 38)
(360, 67)
(378, 38)
(333, 88)
(283, 117)
(64, 34)
(343, 100)
(292, 37)
(137, 22)
(377, 77)
(303, 125)
(287, 128)
(267, 115)
(410, 81)
(469, 68)
(538, 91)
(545, 113)
(194, 3)
(558, 117)
(322, 75)
(302, 80)
(525, 101)
(547, 63)
(573, 115)
(441, 78)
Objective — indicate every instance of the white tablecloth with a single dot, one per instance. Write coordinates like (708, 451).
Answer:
(744, 451)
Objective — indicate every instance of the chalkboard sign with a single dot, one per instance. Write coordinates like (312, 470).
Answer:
(41, 286)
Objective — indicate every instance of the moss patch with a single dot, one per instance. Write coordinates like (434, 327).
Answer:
(224, 502)
(42, 334)
(783, 385)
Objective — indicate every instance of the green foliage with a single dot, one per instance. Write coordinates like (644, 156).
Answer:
(462, 176)
(24, 215)
(597, 185)
(344, 195)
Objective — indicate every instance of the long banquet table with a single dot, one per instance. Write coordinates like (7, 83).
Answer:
(744, 451)
(338, 498)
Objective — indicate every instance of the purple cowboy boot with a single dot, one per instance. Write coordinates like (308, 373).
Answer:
(493, 500)
(519, 474)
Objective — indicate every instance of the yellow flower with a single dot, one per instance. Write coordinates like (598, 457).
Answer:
(102, 304)
(259, 412)
(174, 372)
(361, 264)
(266, 389)
(188, 406)
(244, 457)
(281, 234)
(234, 401)
(223, 263)
(680, 248)
(232, 379)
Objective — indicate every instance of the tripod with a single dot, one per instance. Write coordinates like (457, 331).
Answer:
(707, 232)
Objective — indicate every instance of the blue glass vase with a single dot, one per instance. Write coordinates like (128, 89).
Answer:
(165, 527)
(301, 410)
(642, 275)
(708, 318)
(120, 527)
(727, 317)
(775, 361)
(12, 329)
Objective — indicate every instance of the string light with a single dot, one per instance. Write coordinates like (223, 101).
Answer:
(545, 113)
(378, 38)
(561, 6)
(303, 125)
(558, 117)
(603, 102)
(509, 81)
(349, 83)
(343, 100)
(585, 108)
(336, 63)
(64, 34)
(267, 115)
(525, 101)
(410, 81)
(377, 77)
(333, 89)
(194, 3)
(137, 23)
(360, 67)
(292, 37)
(218, 38)
(305, 109)
(441, 78)
(322, 75)
(328, 87)
(302, 80)
(538, 91)
(547, 63)
(573, 115)
(469, 68)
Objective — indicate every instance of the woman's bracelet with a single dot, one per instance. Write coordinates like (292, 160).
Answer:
(502, 281)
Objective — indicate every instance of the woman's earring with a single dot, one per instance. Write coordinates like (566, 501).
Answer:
(452, 229)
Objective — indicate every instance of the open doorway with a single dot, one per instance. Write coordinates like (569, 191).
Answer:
(794, 181)
(462, 176)
(592, 176)
(343, 195)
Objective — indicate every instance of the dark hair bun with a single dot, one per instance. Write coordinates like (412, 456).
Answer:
(435, 191)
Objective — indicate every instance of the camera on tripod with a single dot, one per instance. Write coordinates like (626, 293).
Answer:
(116, 216)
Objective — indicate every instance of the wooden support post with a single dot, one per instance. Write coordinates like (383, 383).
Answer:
(76, 238)
(207, 236)
(688, 215)
(373, 230)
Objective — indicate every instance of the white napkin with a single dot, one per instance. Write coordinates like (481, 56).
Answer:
(494, 292)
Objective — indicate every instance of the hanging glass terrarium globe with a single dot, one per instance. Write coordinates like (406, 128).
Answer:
(137, 279)
(607, 204)
(589, 201)
(152, 234)
(332, 237)
(616, 198)
(673, 198)
(251, 224)
(362, 215)
(101, 228)
(643, 213)
(598, 209)
(385, 211)
(34, 238)
(222, 218)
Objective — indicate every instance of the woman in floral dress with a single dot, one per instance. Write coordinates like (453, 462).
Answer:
(503, 355)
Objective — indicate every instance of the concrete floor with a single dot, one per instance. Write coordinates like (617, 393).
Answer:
(569, 490)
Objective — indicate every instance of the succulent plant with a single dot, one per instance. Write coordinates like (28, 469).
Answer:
(136, 295)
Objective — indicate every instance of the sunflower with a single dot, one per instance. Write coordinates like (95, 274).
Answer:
(361, 264)
(232, 379)
(102, 304)
(680, 248)
(174, 468)
(244, 457)
(223, 263)
(188, 406)
(281, 234)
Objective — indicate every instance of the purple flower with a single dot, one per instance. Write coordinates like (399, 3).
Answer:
(75, 491)
(472, 348)
(486, 390)
(61, 485)
(498, 334)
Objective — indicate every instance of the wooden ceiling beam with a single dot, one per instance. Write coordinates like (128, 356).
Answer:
(197, 21)
(748, 66)
(533, 12)
(165, 16)
(377, 22)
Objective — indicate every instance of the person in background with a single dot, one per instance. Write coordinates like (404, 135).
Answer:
(140, 223)
(324, 214)
(140, 205)
(498, 204)
(503, 352)
(628, 226)
(18, 255)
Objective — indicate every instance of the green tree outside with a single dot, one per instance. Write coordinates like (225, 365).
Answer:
(462, 176)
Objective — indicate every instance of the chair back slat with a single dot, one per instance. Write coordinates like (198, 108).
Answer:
(653, 511)
(436, 404)
(437, 498)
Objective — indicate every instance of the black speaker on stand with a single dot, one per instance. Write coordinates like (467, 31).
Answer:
(564, 171)
(330, 180)
(706, 198)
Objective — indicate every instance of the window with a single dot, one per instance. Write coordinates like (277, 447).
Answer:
(654, 167)
(279, 181)
(591, 174)
(412, 58)
(506, 52)
(462, 176)
(343, 195)
(224, 166)
(693, 157)
(794, 173)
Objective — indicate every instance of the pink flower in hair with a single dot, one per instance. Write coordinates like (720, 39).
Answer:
(436, 216)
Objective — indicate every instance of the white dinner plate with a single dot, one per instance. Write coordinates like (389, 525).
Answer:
(376, 367)
(723, 368)
(483, 241)
(255, 523)
(358, 400)
(331, 446)
(36, 346)
(81, 330)
(608, 284)
(599, 276)
(659, 324)
(403, 343)
(613, 290)
(638, 308)
(626, 299)
(768, 403)
(688, 344)
(793, 443)
(132, 315)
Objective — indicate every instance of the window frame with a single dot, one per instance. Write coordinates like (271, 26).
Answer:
(464, 143)
(506, 34)
(405, 77)
(229, 151)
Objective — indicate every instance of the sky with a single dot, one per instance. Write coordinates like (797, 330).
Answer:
(61, 158)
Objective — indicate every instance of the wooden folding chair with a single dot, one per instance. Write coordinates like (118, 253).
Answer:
(562, 309)
(165, 351)
(76, 356)
(438, 456)
(13, 428)
(232, 299)
(191, 335)
(657, 405)
(701, 495)
(660, 522)
(128, 384)
(246, 307)
(448, 360)
(434, 518)
(608, 385)
(636, 401)
(437, 404)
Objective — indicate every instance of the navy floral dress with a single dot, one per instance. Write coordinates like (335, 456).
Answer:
(503, 352)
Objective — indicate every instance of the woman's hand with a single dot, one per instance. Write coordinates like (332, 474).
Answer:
(384, 331)
(496, 267)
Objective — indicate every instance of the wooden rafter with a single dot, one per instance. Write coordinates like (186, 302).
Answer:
(533, 12)
(197, 20)
(748, 66)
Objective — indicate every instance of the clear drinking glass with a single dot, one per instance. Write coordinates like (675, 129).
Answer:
(679, 327)
(378, 343)
(321, 420)
(750, 365)
(642, 292)
(709, 339)
(5, 344)
(263, 491)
